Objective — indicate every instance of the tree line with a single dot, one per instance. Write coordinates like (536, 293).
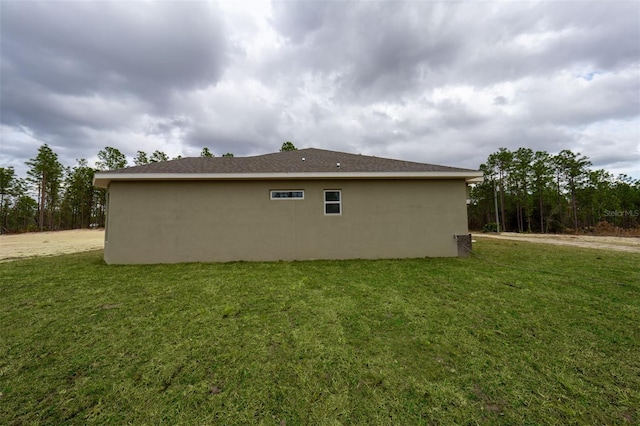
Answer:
(527, 191)
(55, 197)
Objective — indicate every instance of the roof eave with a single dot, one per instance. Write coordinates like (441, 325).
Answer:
(102, 180)
(478, 179)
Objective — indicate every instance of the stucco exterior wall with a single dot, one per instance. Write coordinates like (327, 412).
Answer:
(218, 221)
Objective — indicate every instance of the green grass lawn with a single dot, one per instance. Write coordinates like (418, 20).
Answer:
(518, 334)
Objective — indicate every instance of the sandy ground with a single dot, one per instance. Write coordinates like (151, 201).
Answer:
(53, 243)
(50, 243)
(627, 244)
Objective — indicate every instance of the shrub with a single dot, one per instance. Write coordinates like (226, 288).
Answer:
(490, 227)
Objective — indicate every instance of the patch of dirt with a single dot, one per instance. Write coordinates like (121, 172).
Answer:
(34, 244)
(626, 244)
(490, 406)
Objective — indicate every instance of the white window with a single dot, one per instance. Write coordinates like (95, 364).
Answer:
(287, 194)
(332, 202)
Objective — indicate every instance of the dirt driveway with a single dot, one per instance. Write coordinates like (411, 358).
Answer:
(627, 244)
(61, 242)
(50, 243)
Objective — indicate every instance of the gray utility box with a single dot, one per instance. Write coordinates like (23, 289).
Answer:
(464, 245)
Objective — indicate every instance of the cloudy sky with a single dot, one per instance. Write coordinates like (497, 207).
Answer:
(437, 82)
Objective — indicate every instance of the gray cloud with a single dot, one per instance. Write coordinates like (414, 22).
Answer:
(387, 49)
(72, 66)
(144, 48)
(375, 49)
(437, 82)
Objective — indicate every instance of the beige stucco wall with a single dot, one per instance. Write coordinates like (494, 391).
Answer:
(204, 221)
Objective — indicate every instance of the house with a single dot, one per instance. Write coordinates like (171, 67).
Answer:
(295, 205)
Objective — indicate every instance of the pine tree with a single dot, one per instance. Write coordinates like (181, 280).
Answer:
(7, 189)
(46, 174)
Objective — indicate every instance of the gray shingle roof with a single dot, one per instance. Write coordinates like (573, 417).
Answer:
(310, 160)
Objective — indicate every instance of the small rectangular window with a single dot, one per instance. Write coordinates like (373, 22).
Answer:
(333, 202)
(297, 194)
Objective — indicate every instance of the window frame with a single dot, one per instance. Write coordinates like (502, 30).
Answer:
(272, 191)
(332, 202)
